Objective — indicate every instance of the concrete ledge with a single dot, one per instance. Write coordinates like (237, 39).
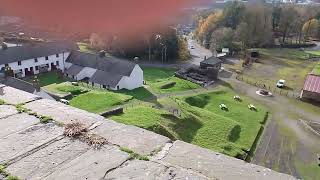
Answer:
(19, 143)
(15, 123)
(151, 170)
(45, 161)
(139, 140)
(14, 96)
(216, 165)
(91, 165)
(63, 113)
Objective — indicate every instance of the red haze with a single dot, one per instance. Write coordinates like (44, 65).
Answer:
(86, 16)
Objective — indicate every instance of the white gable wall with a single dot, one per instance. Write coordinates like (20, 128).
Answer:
(135, 80)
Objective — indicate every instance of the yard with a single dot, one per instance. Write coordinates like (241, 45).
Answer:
(98, 101)
(157, 77)
(275, 64)
(48, 78)
(201, 121)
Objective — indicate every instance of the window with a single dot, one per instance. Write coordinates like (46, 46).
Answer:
(6, 65)
(57, 55)
(118, 87)
(104, 86)
(19, 63)
(37, 68)
(57, 63)
(47, 58)
(35, 60)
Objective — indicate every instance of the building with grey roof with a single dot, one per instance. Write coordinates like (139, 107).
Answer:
(104, 72)
(35, 58)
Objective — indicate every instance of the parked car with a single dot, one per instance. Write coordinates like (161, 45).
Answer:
(64, 101)
(281, 83)
(191, 47)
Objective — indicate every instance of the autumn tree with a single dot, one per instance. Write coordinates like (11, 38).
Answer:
(183, 52)
(311, 28)
(97, 42)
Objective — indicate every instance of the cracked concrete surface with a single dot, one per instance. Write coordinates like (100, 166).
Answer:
(32, 150)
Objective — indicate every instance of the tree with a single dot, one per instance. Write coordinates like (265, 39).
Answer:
(287, 17)
(207, 26)
(311, 28)
(232, 14)
(255, 30)
(222, 37)
(183, 53)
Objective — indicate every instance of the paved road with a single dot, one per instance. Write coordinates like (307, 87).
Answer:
(198, 53)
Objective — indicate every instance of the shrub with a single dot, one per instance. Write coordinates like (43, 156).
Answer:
(13, 178)
(74, 129)
(94, 140)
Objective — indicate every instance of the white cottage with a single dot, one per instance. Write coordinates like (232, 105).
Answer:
(32, 59)
(104, 72)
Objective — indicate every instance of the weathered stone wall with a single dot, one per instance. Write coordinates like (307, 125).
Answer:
(32, 150)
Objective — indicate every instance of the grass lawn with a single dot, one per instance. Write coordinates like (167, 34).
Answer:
(201, 121)
(156, 77)
(284, 53)
(316, 70)
(139, 93)
(49, 78)
(98, 101)
(64, 89)
(317, 53)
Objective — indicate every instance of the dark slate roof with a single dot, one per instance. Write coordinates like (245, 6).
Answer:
(106, 78)
(31, 51)
(73, 70)
(211, 61)
(107, 64)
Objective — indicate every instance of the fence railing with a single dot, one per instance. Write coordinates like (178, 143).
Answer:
(272, 88)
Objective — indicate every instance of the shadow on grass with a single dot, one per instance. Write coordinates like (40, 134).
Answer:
(199, 101)
(141, 94)
(235, 133)
(185, 128)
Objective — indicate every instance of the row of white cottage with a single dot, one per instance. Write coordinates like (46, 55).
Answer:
(98, 70)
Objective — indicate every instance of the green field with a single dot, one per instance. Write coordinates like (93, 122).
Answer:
(156, 77)
(201, 121)
(98, 101)
(316, 70)
(48, 78)
(284, 53)
(65, 89)
(317, 53)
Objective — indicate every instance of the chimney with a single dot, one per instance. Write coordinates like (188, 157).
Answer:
(102, 53)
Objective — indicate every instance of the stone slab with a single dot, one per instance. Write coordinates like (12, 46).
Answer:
(63, 113)
(7, 110)
(19, 143)
(146, 170)
(137, 139)
(16, 123)
(14, 96)
(45, 161)
(91, 165)
(216, 165)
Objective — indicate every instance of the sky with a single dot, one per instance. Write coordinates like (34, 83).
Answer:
(120, 16)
